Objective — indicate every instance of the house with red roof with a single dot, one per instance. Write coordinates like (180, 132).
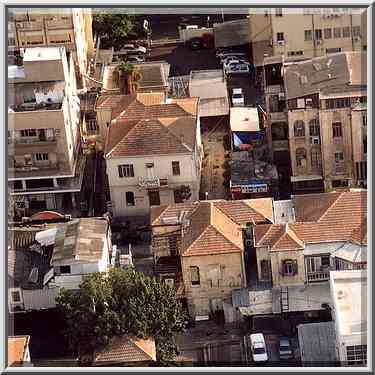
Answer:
(153, 154)
(329, 233)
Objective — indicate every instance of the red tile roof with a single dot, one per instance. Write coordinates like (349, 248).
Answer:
(127, 349)
(131, 138)
(17, 346)
(240, 212)
(158, 213)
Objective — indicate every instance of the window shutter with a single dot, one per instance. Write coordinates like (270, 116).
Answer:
(295, 267)
(120, 171)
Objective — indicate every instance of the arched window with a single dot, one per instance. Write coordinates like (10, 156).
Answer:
(314, 128)
(301, 157)
(299, 128)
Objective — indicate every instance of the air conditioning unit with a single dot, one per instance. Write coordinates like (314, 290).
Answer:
(315, 140)
(68, 217)
(319, 42)
(280, 42)
(281, 95)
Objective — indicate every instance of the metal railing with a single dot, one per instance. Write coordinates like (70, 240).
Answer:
(318, 276)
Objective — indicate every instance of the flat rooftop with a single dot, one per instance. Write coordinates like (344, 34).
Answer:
(349, 293)
(43, 53)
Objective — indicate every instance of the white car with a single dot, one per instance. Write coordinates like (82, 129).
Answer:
(229, 59)
(258, 347)
(234, 61)
(224, 55)
(135, 59)
(238, 99)
(131, 48)
(235, 67)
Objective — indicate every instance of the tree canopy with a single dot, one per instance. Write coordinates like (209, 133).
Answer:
(121, 302)
(116, 28)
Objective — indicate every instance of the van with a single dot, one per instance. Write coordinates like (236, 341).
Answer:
(258, 348)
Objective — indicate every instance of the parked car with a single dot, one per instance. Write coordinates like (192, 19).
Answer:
(234, 60)
(135, 59)
(258, 347)
(231, 54)
(131, 48)
(236, 68)
(238, 99)
(285, 349)
(196, 43)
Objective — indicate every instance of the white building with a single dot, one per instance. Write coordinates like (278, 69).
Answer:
(153, 156)
(349, 295)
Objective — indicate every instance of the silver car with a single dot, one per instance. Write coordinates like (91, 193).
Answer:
(285, 349)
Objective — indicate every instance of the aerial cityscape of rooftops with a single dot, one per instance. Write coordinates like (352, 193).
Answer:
(187, 189)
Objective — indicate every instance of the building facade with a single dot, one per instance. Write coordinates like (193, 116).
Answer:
(317, 120)
(71, 28)
(45, 162)
(153, 156)
(306, 33)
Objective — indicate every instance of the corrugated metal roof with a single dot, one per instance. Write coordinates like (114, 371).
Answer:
(38, 299)
(232, 33)
(317, 342)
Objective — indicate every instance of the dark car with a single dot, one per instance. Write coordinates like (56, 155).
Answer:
(285, 349)
(196, 43)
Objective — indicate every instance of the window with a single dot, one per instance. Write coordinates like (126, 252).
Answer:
(364, 121)
(299, 128)
(308, 35)
(290, 267)
(154, 197)
(177, 196)
(337, 129)
(265, 269)
(365, 145)
(126, 170)
(279, 12)
(64, 269)
(356, 30)
(316, 161)
(176, 168)
(339, 183)
(339, 156)
(333, 50)
(280, 37)
(301, 157)
(28, 133)
(149, 165)
(337, 32)
(361, 170)
(318, 34)
(194, 275)
(172, 242)
(346, 32)
(295, 53)
(16, 297)
(325, 261)
(338, 103)
(41, 156)
(327, 33)
(356, 355)
(314, 128)
(130, 198)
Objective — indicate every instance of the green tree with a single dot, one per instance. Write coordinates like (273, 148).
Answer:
(122, 302)
(116, 28)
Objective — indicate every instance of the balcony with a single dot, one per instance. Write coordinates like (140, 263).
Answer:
(29, 26)
(33, 106)
(31, 141)
(318, 276)
(152, 182)
(59, 24)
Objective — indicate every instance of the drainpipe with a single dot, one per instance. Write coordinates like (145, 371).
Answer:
(313, 34)
(351, 148)
(351, 31)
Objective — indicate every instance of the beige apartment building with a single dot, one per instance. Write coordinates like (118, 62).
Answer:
(45, 162)
(69, 27)
(306, 32)
(317, 118)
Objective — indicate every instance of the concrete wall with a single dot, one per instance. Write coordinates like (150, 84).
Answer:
(277, 258)
(226, 273)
